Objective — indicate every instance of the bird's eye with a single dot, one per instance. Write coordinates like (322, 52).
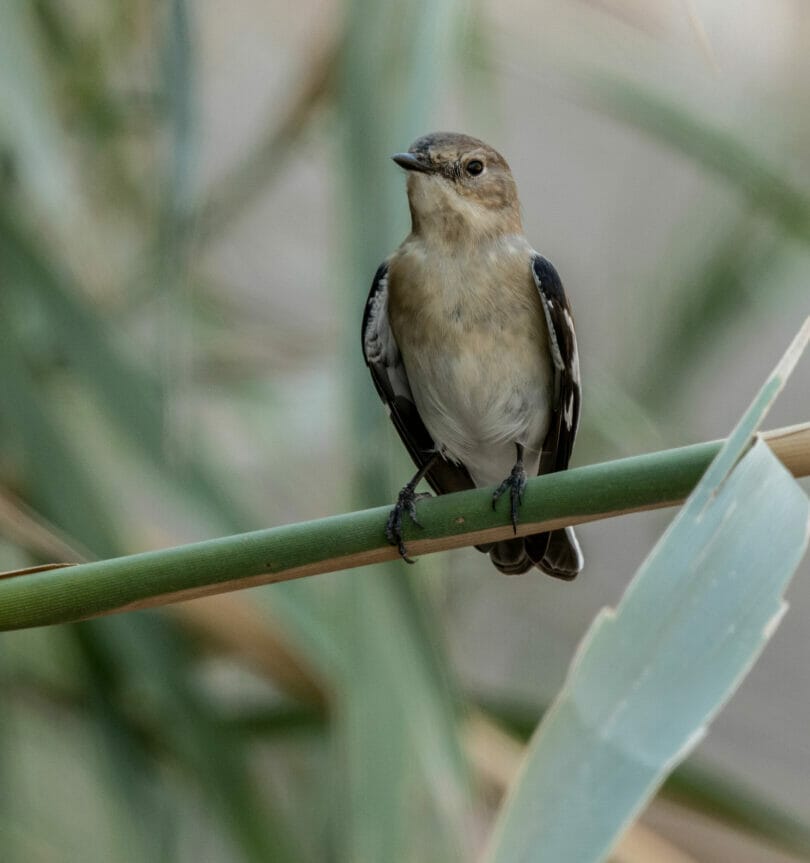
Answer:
(474, 167)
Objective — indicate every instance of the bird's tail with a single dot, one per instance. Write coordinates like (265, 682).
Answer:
(556, 553)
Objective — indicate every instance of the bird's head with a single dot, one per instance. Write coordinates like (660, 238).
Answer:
(459, 188)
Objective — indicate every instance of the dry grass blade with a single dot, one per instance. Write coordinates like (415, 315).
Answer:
(24, 527)
(237, 627)
(791, 445)
(244, 182)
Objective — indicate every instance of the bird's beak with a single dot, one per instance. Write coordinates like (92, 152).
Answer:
(411, 163)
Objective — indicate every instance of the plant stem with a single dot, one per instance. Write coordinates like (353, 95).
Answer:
(60, 595)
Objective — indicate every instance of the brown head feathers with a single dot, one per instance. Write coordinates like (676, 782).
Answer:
(461, 185)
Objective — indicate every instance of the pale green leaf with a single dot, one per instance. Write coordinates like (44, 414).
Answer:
(28, 117)
(649, 676)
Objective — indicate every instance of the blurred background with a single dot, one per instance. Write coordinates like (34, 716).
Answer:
(193, 200)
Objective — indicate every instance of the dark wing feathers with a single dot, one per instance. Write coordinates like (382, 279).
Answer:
(558, 553)
(562, 341)
(391, 380)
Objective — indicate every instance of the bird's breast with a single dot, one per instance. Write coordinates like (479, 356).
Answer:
(474, 343)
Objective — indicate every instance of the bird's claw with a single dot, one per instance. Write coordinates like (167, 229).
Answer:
(516, 483)
(406, 504)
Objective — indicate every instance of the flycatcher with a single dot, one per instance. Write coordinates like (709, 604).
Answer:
(470, 342)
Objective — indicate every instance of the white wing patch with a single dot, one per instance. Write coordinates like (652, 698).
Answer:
(378, 339)
(379, 343)
(556, 355)
(576, 548)
(568, 412)
(575, 353)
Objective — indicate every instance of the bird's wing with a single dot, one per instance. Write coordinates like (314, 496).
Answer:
(562, 342)
(391, 380)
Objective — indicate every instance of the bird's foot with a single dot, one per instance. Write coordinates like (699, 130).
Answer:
(406, 504)
(516, 483)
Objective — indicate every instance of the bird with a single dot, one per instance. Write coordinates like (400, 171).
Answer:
(470, 342)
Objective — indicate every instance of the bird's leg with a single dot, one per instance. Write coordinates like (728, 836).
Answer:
(516, 483)
(406, 503)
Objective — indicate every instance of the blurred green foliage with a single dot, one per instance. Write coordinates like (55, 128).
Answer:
(140, 737)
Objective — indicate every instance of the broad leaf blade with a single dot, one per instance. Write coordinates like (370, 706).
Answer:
(649, 677)
(645, 684)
